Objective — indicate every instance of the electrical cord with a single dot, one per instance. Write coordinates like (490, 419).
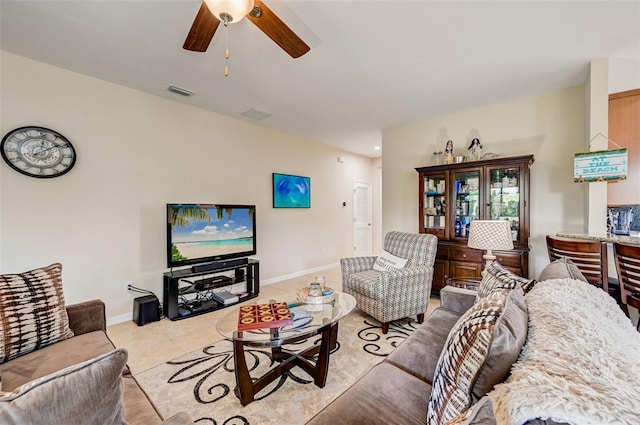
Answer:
(140, 290)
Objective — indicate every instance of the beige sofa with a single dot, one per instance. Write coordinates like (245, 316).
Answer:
(90, 341)
(564, 353)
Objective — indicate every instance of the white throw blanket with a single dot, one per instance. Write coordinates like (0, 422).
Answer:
(580, 364)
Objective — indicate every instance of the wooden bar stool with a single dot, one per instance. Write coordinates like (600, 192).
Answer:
(589, 256)
(627, 258)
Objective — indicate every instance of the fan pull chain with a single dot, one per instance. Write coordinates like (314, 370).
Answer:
(226, 68)
(227, 53)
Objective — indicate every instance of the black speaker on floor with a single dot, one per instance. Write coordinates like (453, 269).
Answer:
(146, 309)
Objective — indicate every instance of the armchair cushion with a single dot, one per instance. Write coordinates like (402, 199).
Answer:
(89, 392)
(377, 285)
(32, 311)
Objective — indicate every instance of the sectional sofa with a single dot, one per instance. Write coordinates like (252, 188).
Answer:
(57, 365)
(563, 353)
(555, 352)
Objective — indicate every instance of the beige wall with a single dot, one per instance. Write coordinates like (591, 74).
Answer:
(104, 221)
(550, 125)
(597, 122)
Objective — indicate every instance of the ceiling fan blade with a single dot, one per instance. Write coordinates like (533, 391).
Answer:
(277, 30)
(202, 30)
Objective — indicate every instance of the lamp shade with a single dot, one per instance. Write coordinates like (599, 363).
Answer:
(229, 11)
(490, 234)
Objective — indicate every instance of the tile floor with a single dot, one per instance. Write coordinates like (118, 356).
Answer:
(159, 342)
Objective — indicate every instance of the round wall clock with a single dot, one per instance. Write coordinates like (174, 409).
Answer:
(38, 152)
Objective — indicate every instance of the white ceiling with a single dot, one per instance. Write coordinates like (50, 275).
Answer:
(373, 65)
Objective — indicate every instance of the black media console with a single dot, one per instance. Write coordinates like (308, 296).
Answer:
(187, 292)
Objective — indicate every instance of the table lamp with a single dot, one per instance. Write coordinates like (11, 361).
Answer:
(489, 235)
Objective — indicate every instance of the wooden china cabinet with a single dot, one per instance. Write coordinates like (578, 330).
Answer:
(452, 195)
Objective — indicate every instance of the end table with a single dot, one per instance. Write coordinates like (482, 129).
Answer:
(464, 282)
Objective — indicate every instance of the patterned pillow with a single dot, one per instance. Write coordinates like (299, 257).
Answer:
(2, 393)
(388, 261)
(32, 311)
(479, 413)
(497, 277)
(478, 354)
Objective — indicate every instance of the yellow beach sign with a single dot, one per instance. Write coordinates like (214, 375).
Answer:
(600, 166)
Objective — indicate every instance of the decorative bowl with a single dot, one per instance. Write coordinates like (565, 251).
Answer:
(303, 297)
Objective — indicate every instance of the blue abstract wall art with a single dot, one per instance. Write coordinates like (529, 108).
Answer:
(291, 191)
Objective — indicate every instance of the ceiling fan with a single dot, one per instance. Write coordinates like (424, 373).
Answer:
(212, 12)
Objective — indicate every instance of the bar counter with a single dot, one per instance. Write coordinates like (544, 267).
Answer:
(630, 240)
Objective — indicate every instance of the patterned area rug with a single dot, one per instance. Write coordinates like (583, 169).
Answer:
(202, 382)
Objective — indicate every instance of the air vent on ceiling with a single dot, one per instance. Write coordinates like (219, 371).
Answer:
(180, 91)
(256, 114)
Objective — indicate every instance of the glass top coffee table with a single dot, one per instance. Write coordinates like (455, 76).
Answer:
(308, 320)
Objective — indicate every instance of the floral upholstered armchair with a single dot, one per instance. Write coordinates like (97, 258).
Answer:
(389, 293)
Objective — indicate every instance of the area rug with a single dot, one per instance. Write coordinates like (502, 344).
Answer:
(202, 382)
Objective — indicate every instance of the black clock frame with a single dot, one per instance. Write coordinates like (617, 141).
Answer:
(41, 129)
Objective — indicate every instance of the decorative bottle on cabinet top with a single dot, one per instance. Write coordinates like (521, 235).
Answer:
(449, 153)
(437, 158)
(475, 150)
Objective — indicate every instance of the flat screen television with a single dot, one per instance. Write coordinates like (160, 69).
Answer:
(203, 233)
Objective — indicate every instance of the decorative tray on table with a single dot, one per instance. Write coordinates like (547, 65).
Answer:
(303, 296)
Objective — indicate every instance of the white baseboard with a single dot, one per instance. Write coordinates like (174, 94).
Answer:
(119, 319)
(129, 316)
(297, 274)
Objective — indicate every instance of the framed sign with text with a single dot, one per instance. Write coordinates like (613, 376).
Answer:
(599, 166)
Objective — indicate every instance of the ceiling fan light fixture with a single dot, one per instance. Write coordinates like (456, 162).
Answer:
(230, 11)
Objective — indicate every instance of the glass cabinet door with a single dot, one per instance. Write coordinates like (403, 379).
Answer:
(466, 197)
(504, 198)
(434, 204)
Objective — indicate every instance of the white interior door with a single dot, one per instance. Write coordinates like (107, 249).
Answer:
(362, 229)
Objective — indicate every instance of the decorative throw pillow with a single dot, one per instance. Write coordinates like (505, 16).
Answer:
(562, 268)
(388, 261)
(497, 277)
(478, 354)
(2, 393)
(480, 413)
(32, 311)
(86, 393)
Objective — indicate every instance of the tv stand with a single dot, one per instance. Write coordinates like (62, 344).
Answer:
(197, 297)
